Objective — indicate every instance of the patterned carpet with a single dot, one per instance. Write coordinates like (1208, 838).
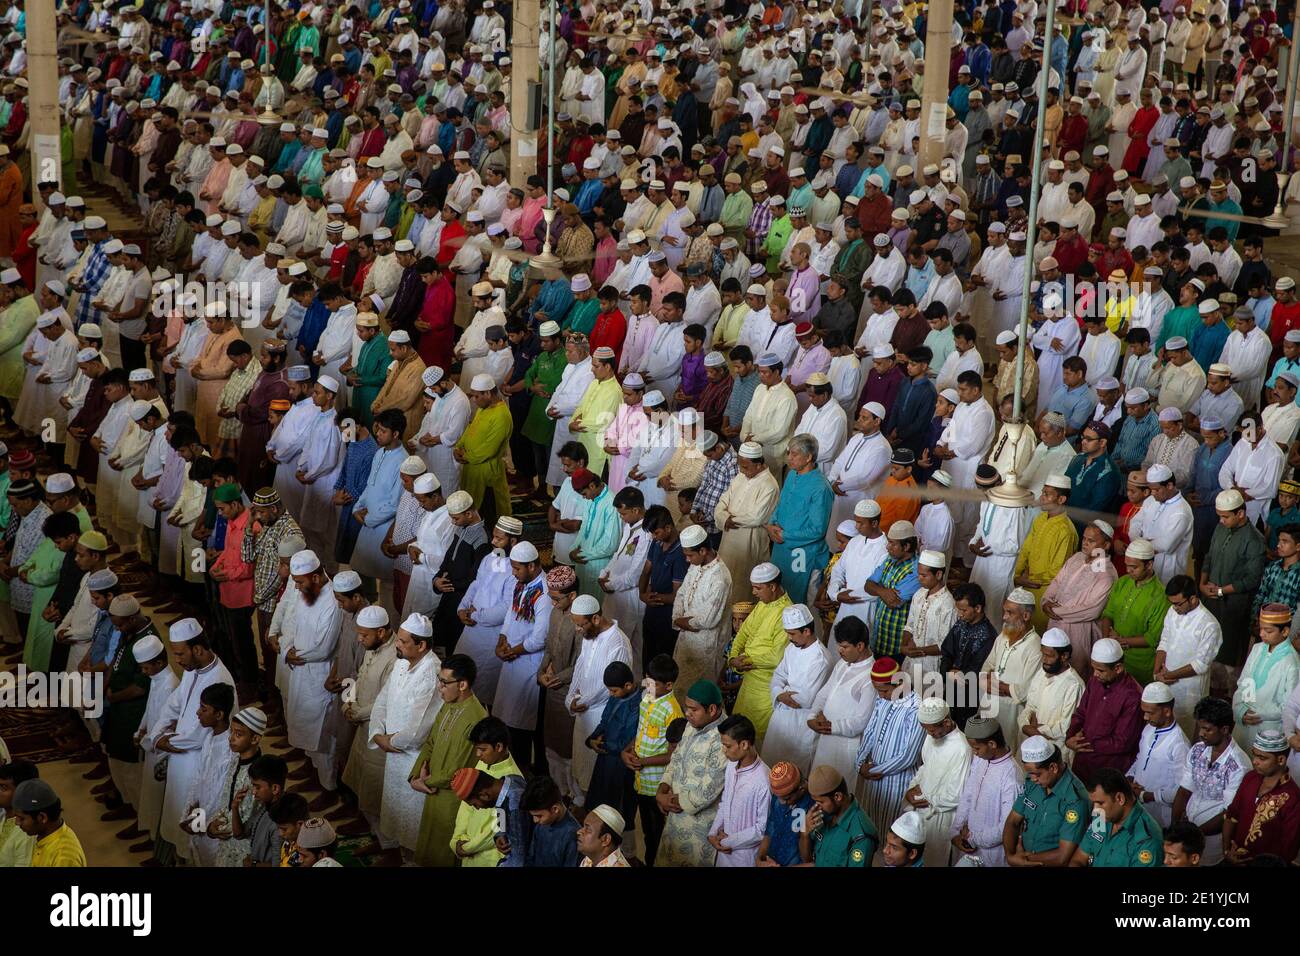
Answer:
(33, 734)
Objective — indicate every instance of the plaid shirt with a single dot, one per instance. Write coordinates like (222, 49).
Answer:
(760, 220)
(652, 738)
(890, 621)
(261, 551)
(92, 277)
(1278, 586)
(714, 481)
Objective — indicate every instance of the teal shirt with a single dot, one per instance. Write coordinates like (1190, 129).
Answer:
(1277, 520)
(1063, 814)
(1138, 841)
(850, 841)
(312, 170)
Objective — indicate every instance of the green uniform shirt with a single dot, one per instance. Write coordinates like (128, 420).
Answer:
(1137, 842)
(850, 841)
(1063, 814)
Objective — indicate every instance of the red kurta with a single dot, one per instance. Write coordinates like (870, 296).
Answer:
(1267, 825)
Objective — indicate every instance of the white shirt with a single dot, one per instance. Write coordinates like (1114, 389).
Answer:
(1168, 526)
(1158, 769)
(829, 425)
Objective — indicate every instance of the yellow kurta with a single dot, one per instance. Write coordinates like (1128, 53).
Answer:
(478, 828)
(1051, 540)
(750, 501)
(761, 639)
(595, 411)
(683, 470)
(484, 443)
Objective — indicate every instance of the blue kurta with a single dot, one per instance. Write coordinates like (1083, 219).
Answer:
(803, 511)
(379, 500)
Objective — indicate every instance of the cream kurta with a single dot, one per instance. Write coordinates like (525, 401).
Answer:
(945, 763)
(704, 597)
(750, 503)
(769, 420)
(405, 708)
(364, 772)
(1014, 665)
(1052, 700)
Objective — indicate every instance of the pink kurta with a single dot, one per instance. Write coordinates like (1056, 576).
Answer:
(626, 430)
(1082, 588)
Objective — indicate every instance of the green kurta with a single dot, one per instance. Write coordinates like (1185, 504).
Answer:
(762, 639)
(123, 719)
(581, 316)
(446, 750)
(484, 443)
(778, 234)
(547, 370)
(43, 574)
(1236, 558)
(372, 370)
(16, 323)
(1138, 610)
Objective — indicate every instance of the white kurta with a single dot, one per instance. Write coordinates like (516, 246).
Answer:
(829, 425)
(1052, 701)
(929, 617)
(860, 468)
(945, 763)
(446, 421)
(313, 633)
(1168, 526)
(588, 690)
(516, 697)
(622, 576)
(489, 598)
(1002, 531)
(180, 717)
(846, 700)
(1158, 768)
(573, 383)
(859, 560)
(802, 672)
(405, 708)
(432, 538)
(1193, 638)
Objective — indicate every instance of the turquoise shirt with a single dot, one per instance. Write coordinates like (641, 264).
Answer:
(850, 841)
(1050, 818)
(1138, 841)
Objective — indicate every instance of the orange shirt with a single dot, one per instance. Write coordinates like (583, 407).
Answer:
(897, 507)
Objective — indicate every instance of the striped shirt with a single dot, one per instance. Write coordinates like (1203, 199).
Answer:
(652, 738)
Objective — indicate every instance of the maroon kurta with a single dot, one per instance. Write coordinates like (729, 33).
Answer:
(1111, 719)
(255, 470)
(1269, 825)
(91, 414)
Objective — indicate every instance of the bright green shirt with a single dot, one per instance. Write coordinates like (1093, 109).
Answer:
(1138, 610)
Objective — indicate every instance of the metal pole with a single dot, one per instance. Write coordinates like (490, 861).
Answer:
(550, 117)
(1293, 77)
(1031, 234)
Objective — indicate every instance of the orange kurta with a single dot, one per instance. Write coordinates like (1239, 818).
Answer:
(11, 198)
(895, 507)
(213, 368)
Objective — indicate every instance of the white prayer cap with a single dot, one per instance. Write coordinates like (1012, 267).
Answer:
(525, 552)
(1036, 749)
(427, 484)
(933, 559)
(304, 562)
(1022, 597)
(866, 508)
(1107, 651)
(882, 351)
(112, 247)
(399, 337)
(482, 382)
(1006, 337)
(419, 625)
(1136, 396)
(276, 249)
(94, 222)
(298, 268)
(1059, 481)
(149, 647)
(652, 399)
(230, 227)
(1208, 306)
(796, 617)
(57, 287)
(715, 360)
(139, 409)
(607, 814)
(372, 615)
(1104, 527)
(1229, 500)
(942, 477)
(581, 282)
(1159, 474)
(875, 408)
(298, 373)
(413, 465)
(1157, 693)
(901, 531)
(752, 450)
(59, 483)
(186, 629)
(910, 828)
(140, 375)
(584, 605)
(847, 528)
(431, 376)
(102, 580)
(688, 416)
(46, 320)
(458, 502)
(345, 582)
(329, 383)
(290, 546)
(1140, 549)
(1055, 637)
(764, 573)
(693, 536)
(932, 710)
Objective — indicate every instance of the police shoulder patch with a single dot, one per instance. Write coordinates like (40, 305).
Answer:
(857, 855)
(1071, 816)
(1145, 857)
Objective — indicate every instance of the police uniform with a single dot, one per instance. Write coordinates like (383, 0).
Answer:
(1137, 842)
(1063, 814)
(849, 841)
